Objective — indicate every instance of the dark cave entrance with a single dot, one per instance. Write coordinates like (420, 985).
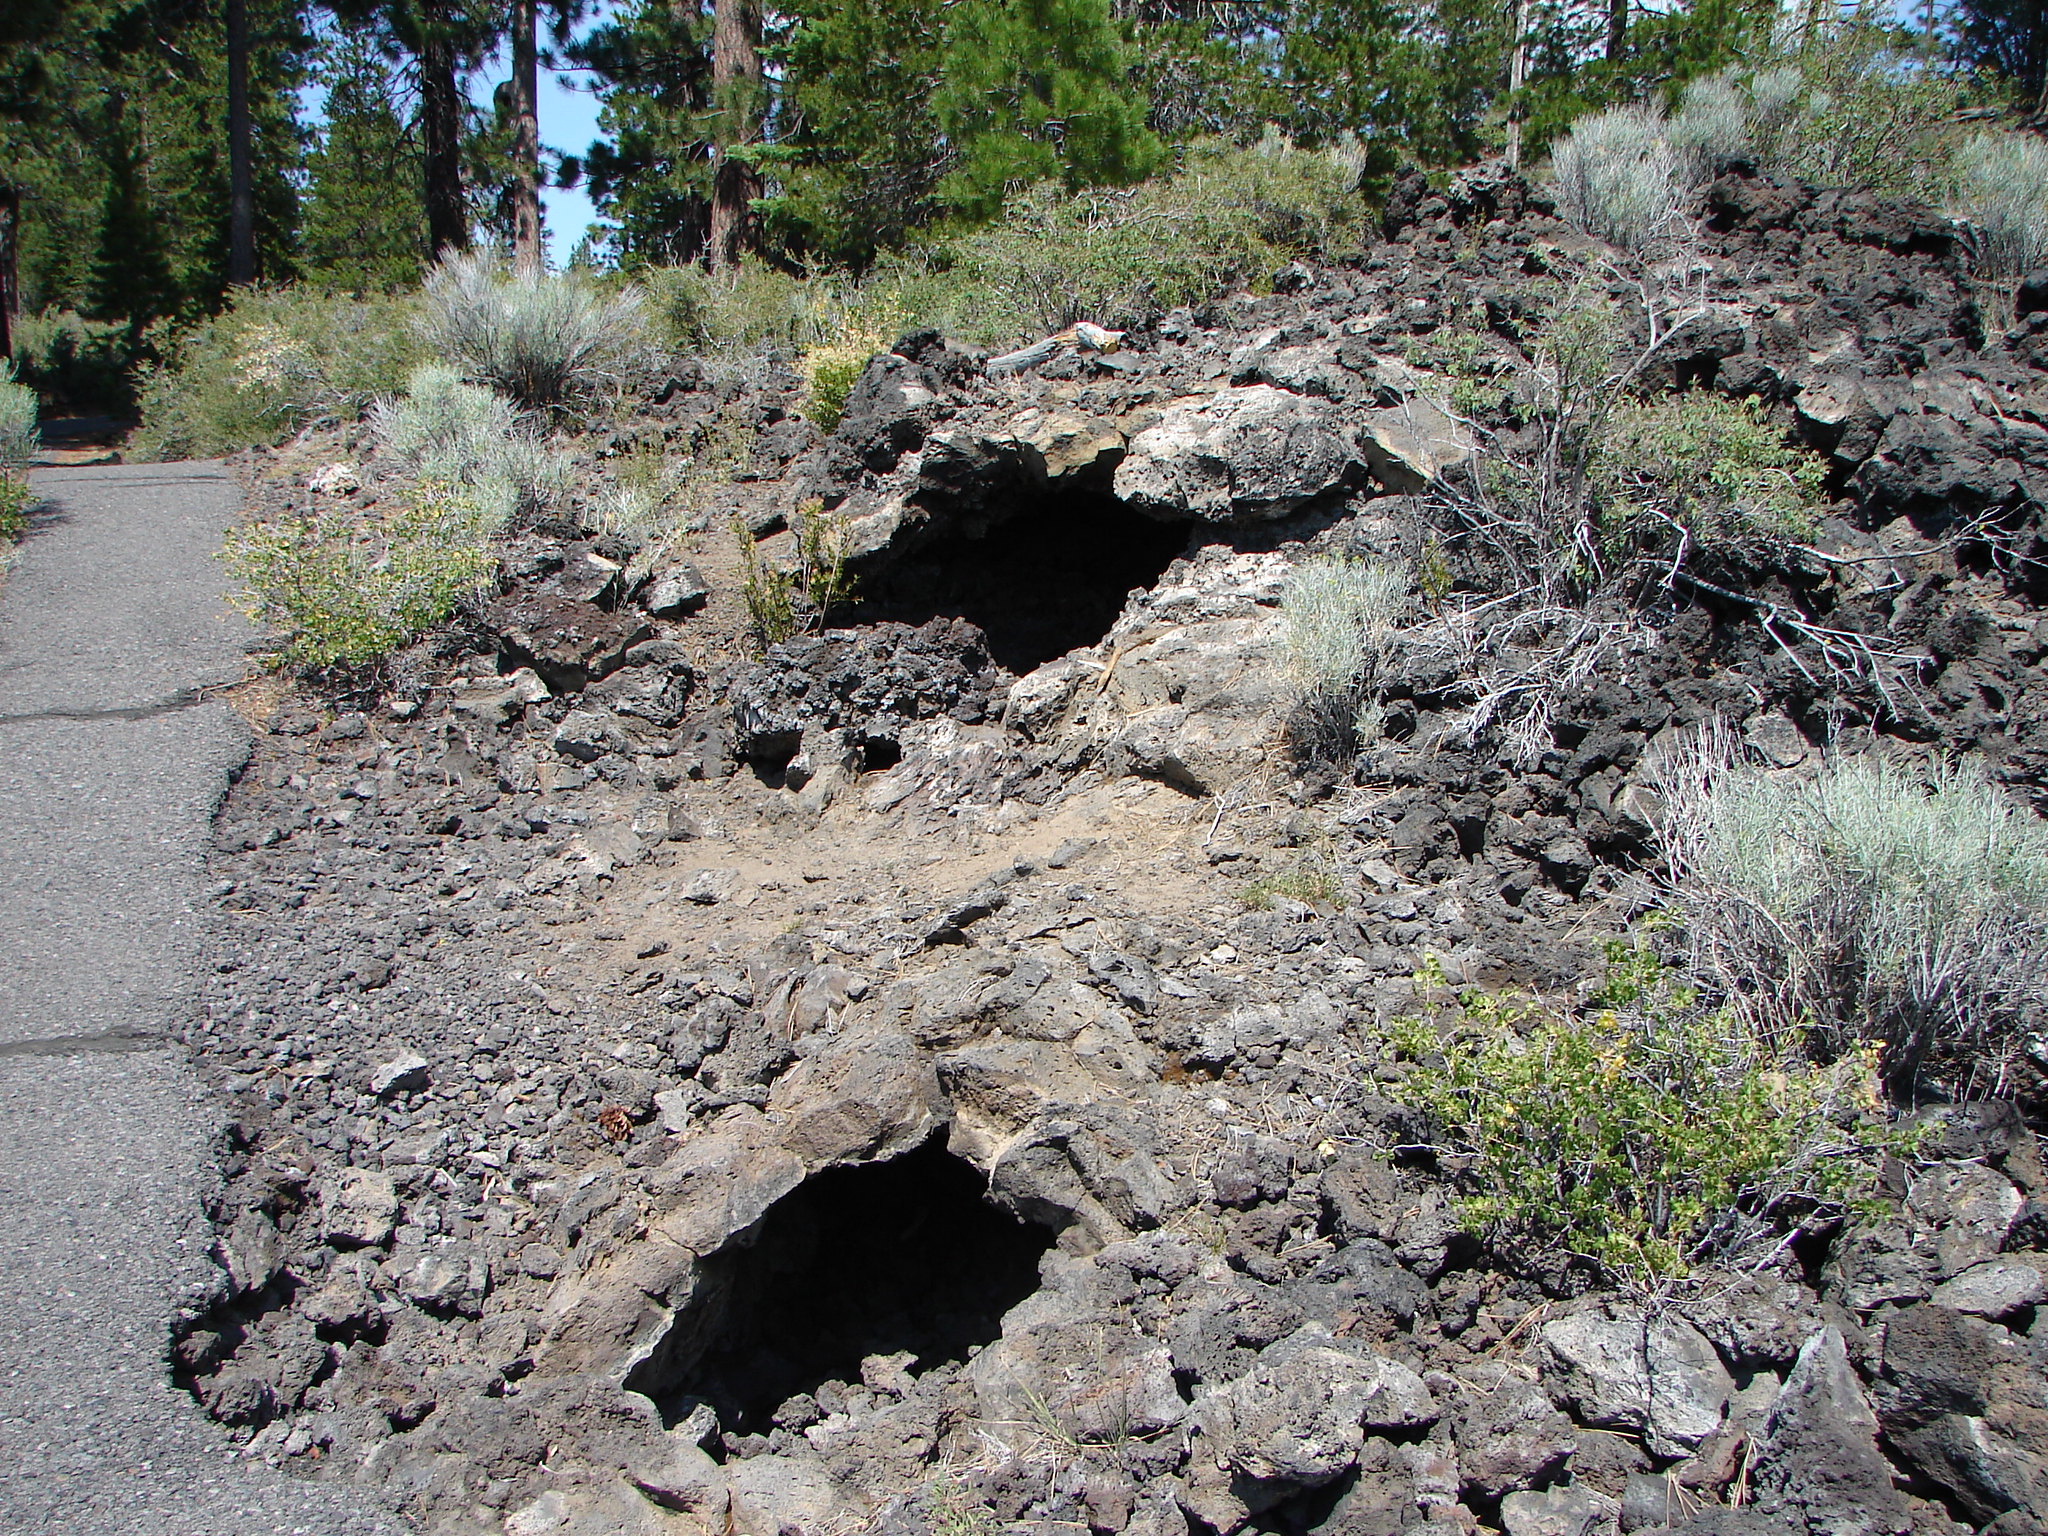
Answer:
(872, 1259)
(1047, 577)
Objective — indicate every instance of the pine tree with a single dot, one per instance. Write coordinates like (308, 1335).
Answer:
(364, 221)
(652, 176)
(130, 276)
(1033, 90)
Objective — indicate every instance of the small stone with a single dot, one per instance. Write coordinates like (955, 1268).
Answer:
(708, 887)
(1559, 1512)
(679, 590)
(358, 1207)
(404, 1073)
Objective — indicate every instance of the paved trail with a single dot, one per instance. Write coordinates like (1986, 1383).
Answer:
(110, 765)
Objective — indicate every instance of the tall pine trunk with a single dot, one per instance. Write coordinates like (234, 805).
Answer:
(526, 238)
(441, 133)
(1617, 29)
(10, 288)
(736, 97)
(241, 181)
(1518, 75)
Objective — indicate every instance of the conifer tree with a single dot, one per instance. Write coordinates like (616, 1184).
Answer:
(364, 218)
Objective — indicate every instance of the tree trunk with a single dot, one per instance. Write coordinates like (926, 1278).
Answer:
(1617, 29)
(1518, 74)
(736, 98)
(10, 291)
(241, 182)
(527, 253)
(441, 132)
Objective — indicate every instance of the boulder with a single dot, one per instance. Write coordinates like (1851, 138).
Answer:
(1410, 445)
(1571, 1511)
(1247, 454)
(1818, 1457)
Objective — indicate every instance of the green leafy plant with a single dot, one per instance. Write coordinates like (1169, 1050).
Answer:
(18, 439)
(782, 600)
(349, 590)
(1719, 469)
(271, 363)
(1646, 1133)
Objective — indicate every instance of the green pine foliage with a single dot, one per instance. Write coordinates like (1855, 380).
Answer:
(1032, 90)
(364, 220)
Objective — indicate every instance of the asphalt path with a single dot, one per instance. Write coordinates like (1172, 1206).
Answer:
(113, 626)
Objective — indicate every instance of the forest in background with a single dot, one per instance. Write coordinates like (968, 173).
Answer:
(157, 154)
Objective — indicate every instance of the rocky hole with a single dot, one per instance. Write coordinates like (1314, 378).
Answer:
(907, 1257)
(1050, 576)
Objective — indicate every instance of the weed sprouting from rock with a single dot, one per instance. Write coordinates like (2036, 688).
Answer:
(782, 600)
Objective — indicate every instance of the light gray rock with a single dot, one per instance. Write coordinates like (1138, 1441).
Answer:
(358, 1207)
(708, 887)
(1967, 1209)
(1245, 454)
(1996, 1290)
(1570, 1511)
(450, 1277)
(1618, 1369)
(1410, 445)
(676, 591)
(403, 1073)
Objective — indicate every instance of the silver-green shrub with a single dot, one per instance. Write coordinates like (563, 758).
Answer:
(18, 436)
(544, 339)
(447, 431)
(2002, 187)
(1710, 129)
(1619, 178)
(1341, 617)
(1866, 903)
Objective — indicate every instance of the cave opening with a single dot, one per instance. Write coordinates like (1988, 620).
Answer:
(1049, 576)
(903, 1257)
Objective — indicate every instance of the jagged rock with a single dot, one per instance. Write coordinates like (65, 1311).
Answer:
(1096, 1165)
(569, 644)
(678, 590)
(1243, 454)
(404, 1073)
(1510, 1437)
(1967, 1403)
(1615, 1368)
(450, 1278)
(587, 735)
(358, 1207)
(1818, 1458)
(498, 701)
(871, 1095)
(1559, 1512)
(1299, 1417)
(1996, 1290)
(1966, 1209)
(1411, 445)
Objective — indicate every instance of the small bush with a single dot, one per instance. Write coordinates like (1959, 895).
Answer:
(1340, 617)
(446, 430)
(747, 309)
(75, 364)
(1226, 218)
(1719, 469)
(544, 339)
(18, 441)
(781, 600)
(2002, 186)
(349, 590)
(1865, 904)
(1310, 883)
(1618, 177)
(643, 495)
(1646, 1134)
(1711, 127)
(274, 361)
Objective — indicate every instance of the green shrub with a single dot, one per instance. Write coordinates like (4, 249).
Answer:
(349, 590)
(1866, 904)
(1645, 1134)
(1718, 468)
(1310, 882)
(747, 309)
(2002, 187)
(1618, 177)
(1867, 114)
(18, 441)
(782, 600)
(75, 364)
(273, 362)
(544, 339)
(1226, 218)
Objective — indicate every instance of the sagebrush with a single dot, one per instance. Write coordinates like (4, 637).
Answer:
(1905, 908)
(1340, 618)
(18, 441)
(1619, 178)
(543, 339)
(446, 430)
